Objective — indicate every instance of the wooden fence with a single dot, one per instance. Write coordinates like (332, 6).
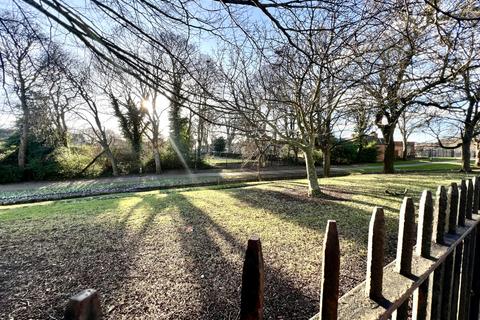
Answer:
(438, 278)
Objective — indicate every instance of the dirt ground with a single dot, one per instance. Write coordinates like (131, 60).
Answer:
(175, 255)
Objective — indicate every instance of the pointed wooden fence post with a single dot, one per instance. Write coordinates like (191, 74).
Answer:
(452, 207)
(330, 273)
(469, 206)
(253, 282)
(376, 241)
(439, 215)
(423, 248)
(84, 306)
(435, 280)
(476, 194)
(462, 204)
(475, 283)
(403, 262)
(456, 279)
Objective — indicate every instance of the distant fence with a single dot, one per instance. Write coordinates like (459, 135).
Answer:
(440, 275)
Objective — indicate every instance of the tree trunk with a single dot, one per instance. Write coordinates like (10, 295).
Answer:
(466, 154)
(112, 160)
(327, 156)
(313, 186)
(22, 148)
(156, 157)
(477, 154)
(389, 156)
(404, 149)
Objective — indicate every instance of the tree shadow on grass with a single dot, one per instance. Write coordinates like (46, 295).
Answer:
(313, 214)
(55, 259)
(216, 260)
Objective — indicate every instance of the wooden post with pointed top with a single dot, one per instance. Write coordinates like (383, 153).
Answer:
(423, 247)
(253, 282)
(456, 278)
(424, 230)
(330, 273)
(84, 306)
(462, 204)
(452, 207)
(476, 194)
(435, 280)
(447, 287)
(464, 291)
(469, 206)
(475, 282)
(439, 215)
(375, 256)
(403, 262)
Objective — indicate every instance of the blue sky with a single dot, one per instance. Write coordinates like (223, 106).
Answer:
(205, 42)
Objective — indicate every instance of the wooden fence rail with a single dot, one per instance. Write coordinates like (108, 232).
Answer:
(439, 278)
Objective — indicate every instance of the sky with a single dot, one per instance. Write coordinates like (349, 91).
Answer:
(206, 44)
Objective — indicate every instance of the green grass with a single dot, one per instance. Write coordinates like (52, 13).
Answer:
(222, 161)
(436, 164)
(178, 254)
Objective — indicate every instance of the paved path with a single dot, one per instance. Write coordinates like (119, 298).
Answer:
(52, 190)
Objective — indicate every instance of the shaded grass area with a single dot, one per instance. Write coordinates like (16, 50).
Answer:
(178, 254)
(418, 165)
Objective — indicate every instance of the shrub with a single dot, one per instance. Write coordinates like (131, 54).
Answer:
(10, 173)
(171, 160)
(344, 153)
(318, 157)
(368, 153)
(219, 144)
(71, 161)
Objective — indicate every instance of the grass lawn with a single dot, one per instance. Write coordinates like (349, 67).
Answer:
(178, 254)
(219, 160)
(436, 164)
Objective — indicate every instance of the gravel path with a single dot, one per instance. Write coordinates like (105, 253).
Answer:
(27, 192)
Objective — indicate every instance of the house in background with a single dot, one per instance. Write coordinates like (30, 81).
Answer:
(381, 146)
(434, 150)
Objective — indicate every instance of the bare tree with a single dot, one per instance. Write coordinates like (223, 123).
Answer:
(24, 58)
(91, 108)
(409, 122)
(405, 60)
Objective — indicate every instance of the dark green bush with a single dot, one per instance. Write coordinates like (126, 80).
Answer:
(71, 161)
(219, 144)
(368, 153)
(344, 153)
(10, 173)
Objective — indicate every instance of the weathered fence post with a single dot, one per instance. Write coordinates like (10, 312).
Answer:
(469, 206)
(456, 279)
(464, 292)
(440, 214)
(476, 194)
(376, 241)
(424, 230)
(452, 207)
(447, 287)
(84, 306)
(253, 282)
(330, 273)
(435, 280)
(449, 275)
(403, 262)
(475, 298)
(423, 248)
(462, 204)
